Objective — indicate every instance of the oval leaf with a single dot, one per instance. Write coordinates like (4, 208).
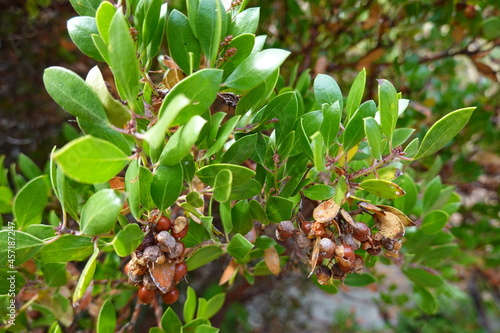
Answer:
(25, 247)
(80, 30)
(86, 276)
(67, 248)
(128, 239)
(203, 256)
(434, 221)
(239, 247)
(30, 202)
(100, 212)
(167, 185)
(182, 42)
(388, 107)
(241, 174)
(106, 321)
(382, 188)
(326, 90)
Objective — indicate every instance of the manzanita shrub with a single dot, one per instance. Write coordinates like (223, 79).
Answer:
(193, 154)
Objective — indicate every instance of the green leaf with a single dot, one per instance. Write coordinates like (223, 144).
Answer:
(86, 276)
(443, 131)
(54, 327)
(100, 212)
(255, 69)
(245, 22)
(104, 132)
(226, 217)
(123, 59)
(203, 256)
(374, 136)
(434, 222)
(319, 192)
(206, 328)
(128, 239)
(104, 16)
(181, 143)
(167, 185)
(425, 300)
(73, 94)
(85, 7)
(146, 178)
(30, 202)
(28, 167)
(133, 187)
(388, 107)
(106, 321)
(318, 153)
(331, 122)
(401, 135)
(55, 274)
(222, 187)
(407, 202)
(156, 40)
(67, 248)
(354, 130)
(431, 193)
(359, 280)
(214, 304)
(17, 247)
(190, 305)
(222, 136)
(80, 30)
(356, 94)
(491, 28)
(170, 322)
(155, 136)
(423, 278)
(5, 200)
(284, 108)
(43, 231)
(258, 213)
(101, 46)
(91, 160)
(241, 217)
(243, 44)
(146, 20)
(194, 199)
(382, 188)
(194, 326)
(326, 90)
(257, 96)
(240, 150)
(210, 19)
(183, 46)
(245, 190)
(239, 247)
(208, 173)
(279, 209)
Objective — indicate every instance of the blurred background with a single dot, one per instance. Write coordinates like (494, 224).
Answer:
(442, 55)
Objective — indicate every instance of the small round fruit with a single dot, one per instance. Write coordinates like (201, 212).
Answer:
(181, 233)
(327, 248)
(170, 297)
(126, 268)
(163, 224)
(145, 296)
(361, 232)
(306, 227)
(180, 271)
(286, 229)
(166, 241)
(180, 227)
(323, 273)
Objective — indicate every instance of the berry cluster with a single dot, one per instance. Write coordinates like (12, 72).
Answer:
(158, 263)
(333, 237)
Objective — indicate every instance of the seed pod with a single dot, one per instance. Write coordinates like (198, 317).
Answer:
(361, 232)
(286, 229)
(326, 211)
(388, 243)
(148, 283)
(279, 237)
(344, 251)
(163, 224)
(135, 268)
(324, 274)
(138, 258)
(302, 241)
(180, 227)
(166, 241)
(327, 248)
(180, 271)
(317, 230)
(392, 254)
(375, 250)
(154, 254)
(353, 243)
(145, 296)
(170, 297)
(337, 272)
(135, 280)
(177, 251)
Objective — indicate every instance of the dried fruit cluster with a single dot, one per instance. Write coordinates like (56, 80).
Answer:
(158, 263)
(333, 237)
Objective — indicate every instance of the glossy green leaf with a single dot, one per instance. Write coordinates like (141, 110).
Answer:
(183, 46)
(80, 31)
(241, 217)
(123, 59)
(66, 248)
(101, 46)
(104, 16)
(214, 305)
(423, 277)
(203, 256)
(245, 22)
(354, 131)
(195, 199)
(86, 276)
(170, 322)
(55, 274)
(431, 193)
(425, 300)
(222, 136)
(66, 194)
(73, 94)
(318, 154)
(284, 108)
(91, 160)
(331, 122)
(245, 190)
(148, 22)
(211, 19)
(133, 187)
(104, 132)
(30, 202)
(388, 107)
(374, 136)
(443, 131)
(241, 174)
(5, 200)
(286, 146)
(401, 135)
(200, 88)
(279, 209)
(128, 239)
(100, 212)
(226, 217)
(319, 192)
(54, 327)
(17, 247)
(359, 280)
(222, 187)
(243, 44)
(155, 136)
(167, 185)
(156, 40)
(28, 167)
(106, 321)
(181, 143)
(434, 221)
(326, 90)
(85, 7)
(257, 96)
(239, 247)
(240, 150)
(355, 94)
(382, 188)
(255, 69)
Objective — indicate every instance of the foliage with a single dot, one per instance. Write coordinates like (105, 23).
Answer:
(223, 149)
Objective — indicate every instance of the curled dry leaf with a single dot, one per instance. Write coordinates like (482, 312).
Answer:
(229, 272)
(326, 211)
(163, 275)
(407, 222)
(315, 255)
(347, 217)
(272, 260)
(370, 207)
(389, 225)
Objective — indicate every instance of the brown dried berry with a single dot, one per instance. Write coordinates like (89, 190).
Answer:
(302, 241)
(327, 248)
(177, 251)
(392, 254)
(145, 296)
(318, 230)
(154, 254)
(135, 268)
(163, 224)
(180, 227)
(324, 274)
(388, 243)
(135, 280)
(359, 264)
(170, 297)
(337, 272)
(166, 241)
(397, 245)
(345, 252)
(361, 232)
(149, 240)
(306, 227)
(375, 250)
(286, 229)
(180, 271)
